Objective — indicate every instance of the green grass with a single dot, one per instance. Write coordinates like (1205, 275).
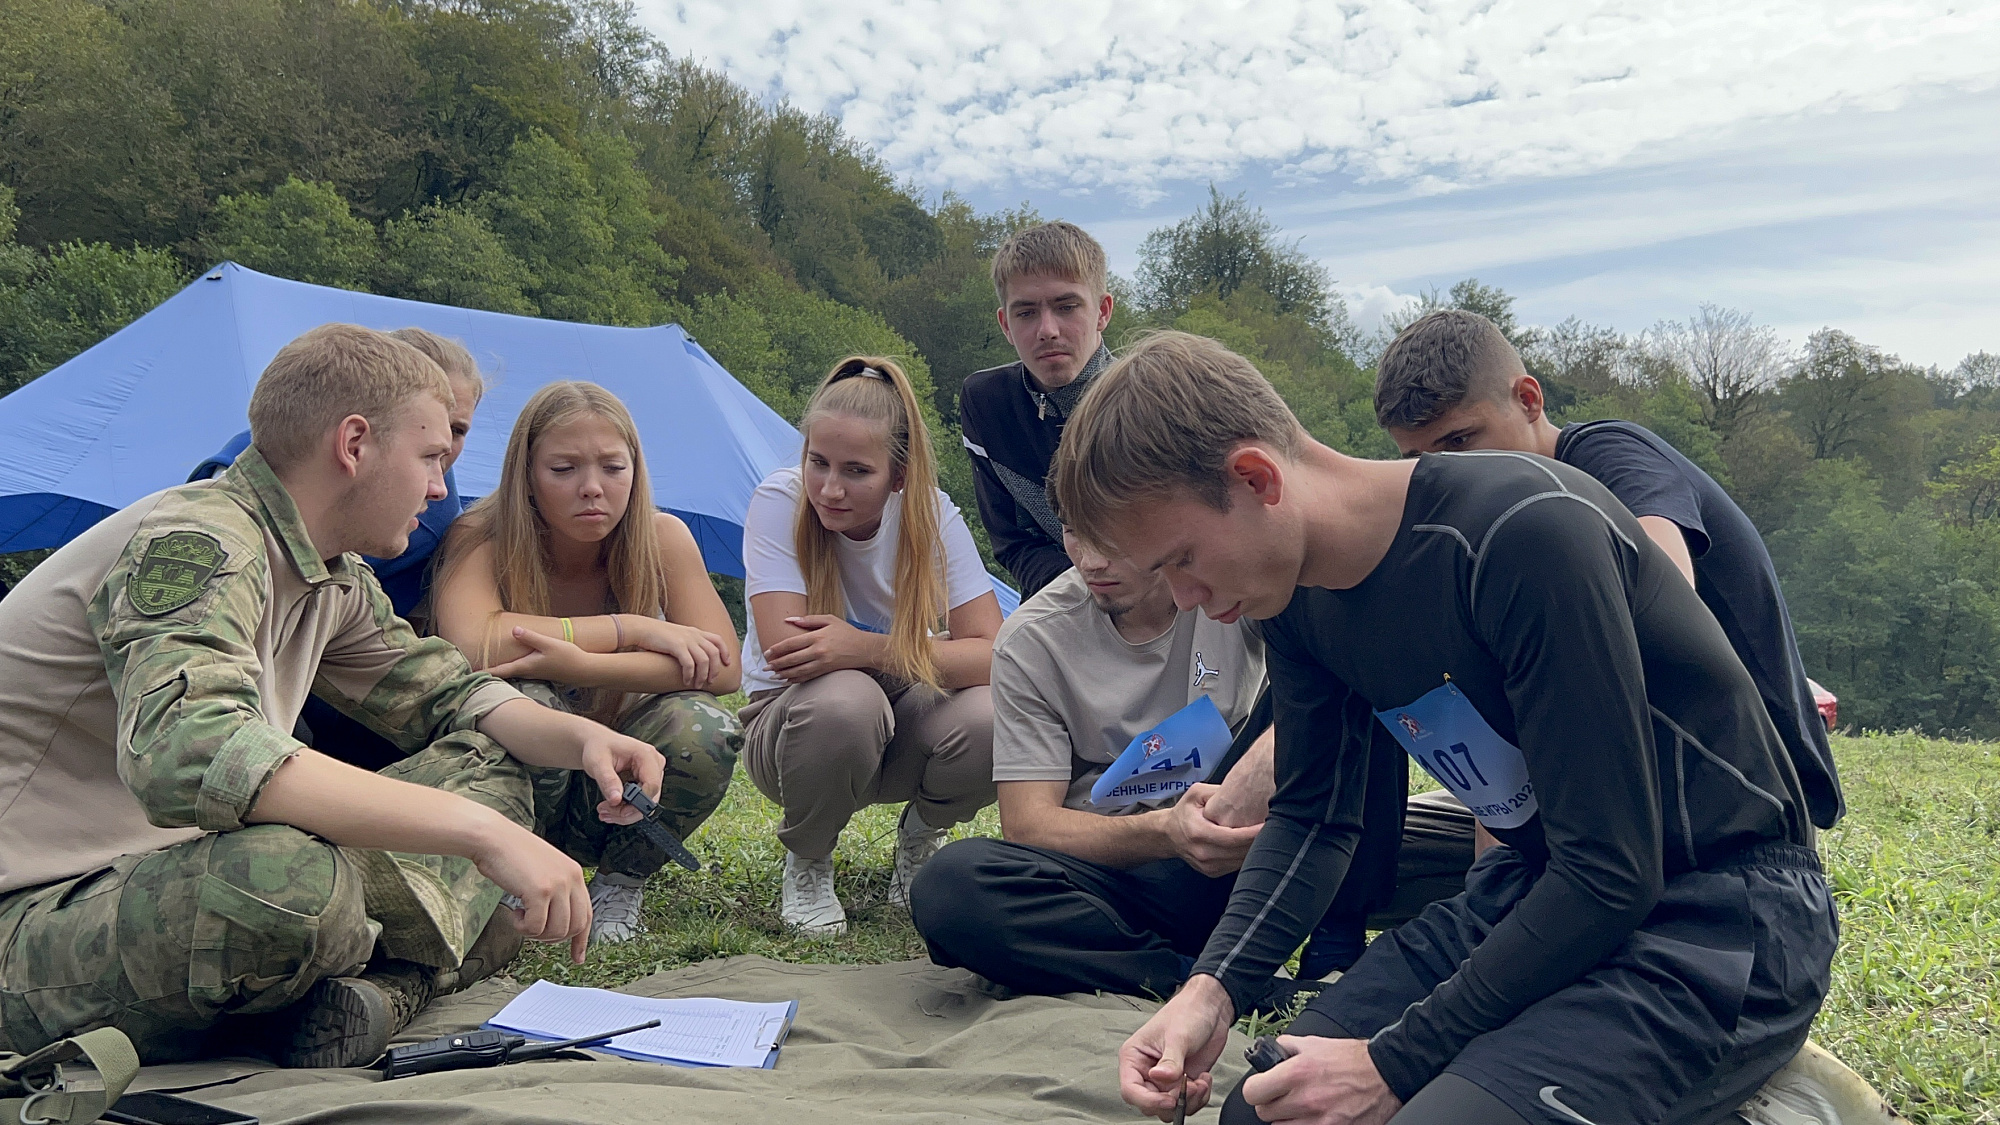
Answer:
(1915, 866)
(1915, 1006)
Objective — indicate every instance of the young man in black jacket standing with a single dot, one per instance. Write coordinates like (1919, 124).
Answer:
(1054, 304)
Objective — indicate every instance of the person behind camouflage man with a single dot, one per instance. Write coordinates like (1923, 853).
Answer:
(1054, 299)
(570, 584)
(173, 863)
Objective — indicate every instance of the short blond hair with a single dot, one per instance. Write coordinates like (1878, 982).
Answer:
(447, 353)
(1055, 249)
(1162, 420)
(329, 373)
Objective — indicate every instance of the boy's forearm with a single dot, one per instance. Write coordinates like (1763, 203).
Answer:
(357, 809)
(536, 735)
(1118, 841)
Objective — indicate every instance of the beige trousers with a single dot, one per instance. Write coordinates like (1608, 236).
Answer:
(827, 748)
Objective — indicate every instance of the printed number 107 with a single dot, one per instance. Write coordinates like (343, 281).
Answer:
(1451, 770)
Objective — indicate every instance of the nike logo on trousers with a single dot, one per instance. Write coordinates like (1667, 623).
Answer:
(1549, 1099)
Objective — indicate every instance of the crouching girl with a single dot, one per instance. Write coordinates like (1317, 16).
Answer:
(870, 640)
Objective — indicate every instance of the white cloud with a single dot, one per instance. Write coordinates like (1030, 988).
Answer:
(1881, 223)
(1087, 93)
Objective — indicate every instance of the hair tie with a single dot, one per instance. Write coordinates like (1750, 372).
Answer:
(868, 371)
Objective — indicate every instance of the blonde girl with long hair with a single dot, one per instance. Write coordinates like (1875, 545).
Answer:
(569, 583)
(870, 640)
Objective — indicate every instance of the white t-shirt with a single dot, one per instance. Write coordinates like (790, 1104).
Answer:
(1070, 693)
(867, 567)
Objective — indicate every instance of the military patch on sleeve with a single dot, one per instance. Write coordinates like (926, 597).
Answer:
(173, 571)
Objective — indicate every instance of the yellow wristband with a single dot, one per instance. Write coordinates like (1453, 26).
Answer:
(569, 631)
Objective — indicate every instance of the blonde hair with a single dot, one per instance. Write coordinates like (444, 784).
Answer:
(1163, 418)
(447, 353)
(1055, 249)
(509, 519)
(876, 390)
(329, 373)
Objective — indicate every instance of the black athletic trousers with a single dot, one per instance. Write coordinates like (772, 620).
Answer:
(1039, 921)
(1680, 1024)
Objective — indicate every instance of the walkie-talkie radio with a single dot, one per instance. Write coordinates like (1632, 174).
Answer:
(472, 1050)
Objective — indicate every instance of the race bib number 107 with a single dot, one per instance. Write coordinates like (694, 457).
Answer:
(1448, 737)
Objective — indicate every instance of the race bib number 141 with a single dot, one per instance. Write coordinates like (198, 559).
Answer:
(1448, 737)
(1165, 761)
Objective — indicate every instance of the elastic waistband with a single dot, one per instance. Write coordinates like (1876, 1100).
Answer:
(1770, 853)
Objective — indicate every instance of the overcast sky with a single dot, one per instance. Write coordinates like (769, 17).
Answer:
(1812, 161)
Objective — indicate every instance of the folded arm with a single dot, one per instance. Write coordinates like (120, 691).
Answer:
(693, 648)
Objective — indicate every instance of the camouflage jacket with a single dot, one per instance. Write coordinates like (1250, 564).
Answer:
(152, 670)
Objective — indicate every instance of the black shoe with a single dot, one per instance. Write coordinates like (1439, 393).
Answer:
(348, 1021)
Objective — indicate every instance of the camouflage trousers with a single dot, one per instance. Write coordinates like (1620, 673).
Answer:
(699, 741)
(168, 945)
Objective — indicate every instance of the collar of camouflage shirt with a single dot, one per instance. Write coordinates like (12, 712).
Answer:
(252, 479)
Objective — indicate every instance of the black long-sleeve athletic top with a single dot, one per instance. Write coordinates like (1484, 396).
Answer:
(1646, 743)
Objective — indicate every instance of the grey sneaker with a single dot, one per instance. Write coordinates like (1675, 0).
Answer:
(614, 907)
(916, 843)
(1816, 1088)
(809, 905)
(348, 1021)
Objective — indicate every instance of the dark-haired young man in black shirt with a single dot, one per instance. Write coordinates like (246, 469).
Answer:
(1654, 938)
(1451, 383)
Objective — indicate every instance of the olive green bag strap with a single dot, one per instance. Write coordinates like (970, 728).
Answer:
(33, 1090)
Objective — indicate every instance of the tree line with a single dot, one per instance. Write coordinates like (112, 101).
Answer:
(550, 158)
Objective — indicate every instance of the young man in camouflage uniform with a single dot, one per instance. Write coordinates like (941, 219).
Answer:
(172, 861)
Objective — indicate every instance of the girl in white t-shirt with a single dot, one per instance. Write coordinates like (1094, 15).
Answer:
(870, 640)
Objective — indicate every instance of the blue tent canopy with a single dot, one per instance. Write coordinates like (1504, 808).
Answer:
(134, 413)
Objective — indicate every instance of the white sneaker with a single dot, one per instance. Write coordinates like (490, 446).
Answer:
(916, 843)
(614, 907)
(810, 906)
(1817, 1089)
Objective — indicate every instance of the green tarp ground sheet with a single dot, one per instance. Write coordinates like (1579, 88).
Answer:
(903, 1043)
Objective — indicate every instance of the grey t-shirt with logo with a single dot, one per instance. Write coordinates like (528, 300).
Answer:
(1069, 693)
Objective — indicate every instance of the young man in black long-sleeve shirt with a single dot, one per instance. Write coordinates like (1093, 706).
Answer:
(1654, 938)
(1054, 303)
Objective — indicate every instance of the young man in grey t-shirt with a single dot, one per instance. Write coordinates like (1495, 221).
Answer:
(1079, 897)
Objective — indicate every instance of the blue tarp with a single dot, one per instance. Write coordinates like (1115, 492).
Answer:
(134, 413)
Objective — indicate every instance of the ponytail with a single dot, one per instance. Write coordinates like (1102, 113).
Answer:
(876, 390)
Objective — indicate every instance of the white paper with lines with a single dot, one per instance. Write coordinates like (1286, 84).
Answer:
(697, 1032)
